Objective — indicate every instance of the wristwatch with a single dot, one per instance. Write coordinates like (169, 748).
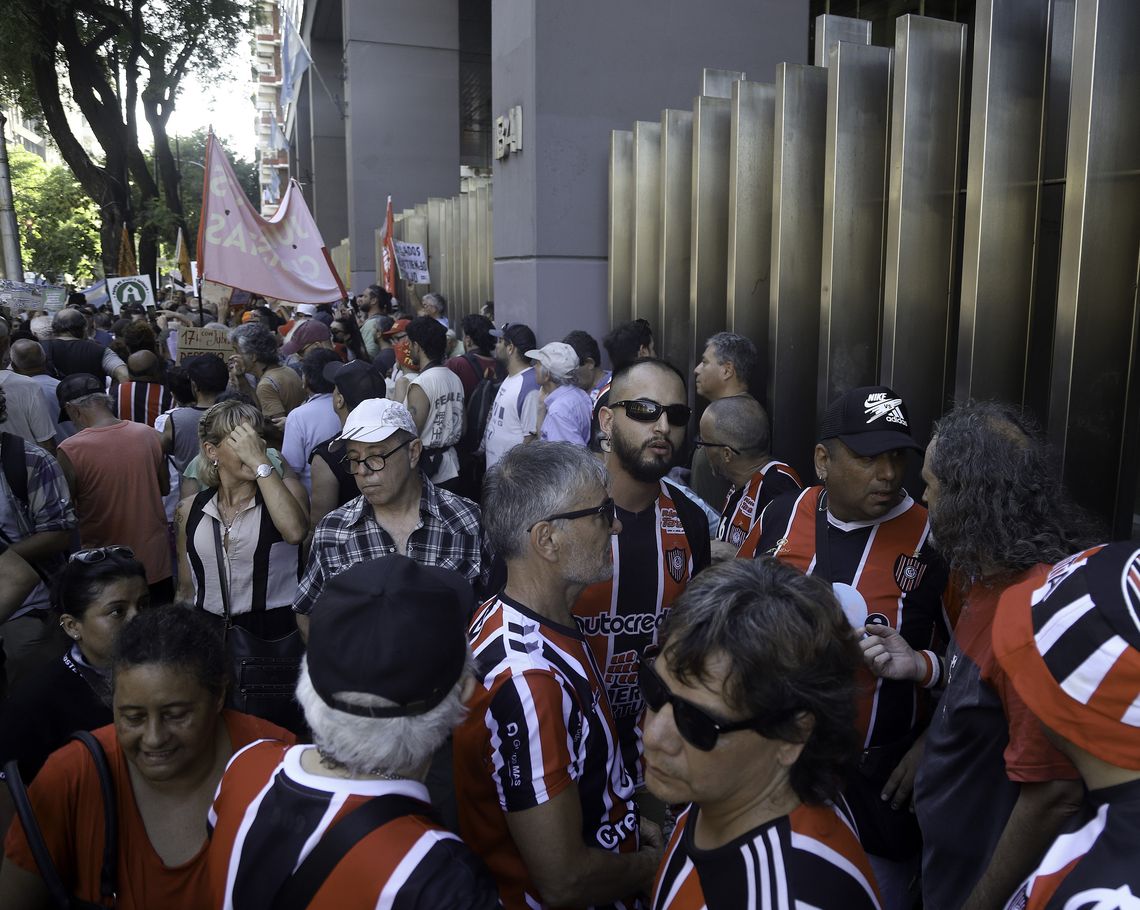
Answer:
(263, 470)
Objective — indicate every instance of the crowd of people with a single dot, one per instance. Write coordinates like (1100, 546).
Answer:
(544, 636)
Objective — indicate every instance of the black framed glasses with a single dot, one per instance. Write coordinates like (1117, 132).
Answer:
(607, 510)
(645, 410)
(697, 726)
(373, 463)
(98, 554)
(705, 444)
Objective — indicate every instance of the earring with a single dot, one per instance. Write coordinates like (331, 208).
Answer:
(215, 462)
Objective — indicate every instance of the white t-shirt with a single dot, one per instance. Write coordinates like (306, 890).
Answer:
(444, 427)
(513, 415)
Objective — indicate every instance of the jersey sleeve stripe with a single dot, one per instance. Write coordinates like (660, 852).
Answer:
(832, 856)
(781, 871)
(247, 821)
(405, 868)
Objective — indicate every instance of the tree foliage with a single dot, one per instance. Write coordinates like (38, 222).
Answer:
(114, 55)
(59, 224)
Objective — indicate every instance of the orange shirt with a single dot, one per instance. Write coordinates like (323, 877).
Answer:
(68, 804)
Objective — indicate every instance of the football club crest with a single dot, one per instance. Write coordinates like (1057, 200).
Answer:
(908, 572)
(675, 563)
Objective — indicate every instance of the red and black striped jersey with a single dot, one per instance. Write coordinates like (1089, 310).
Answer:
(142, 402)
(269, 814)
(1094, 864)
(869, 559)
(810, 858)
(538, 722)
(742, 507)
(654, 558)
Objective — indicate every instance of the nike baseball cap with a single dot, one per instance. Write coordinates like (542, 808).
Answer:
(392, 628)
(374, 420)
(1070, 643)
(869, 420)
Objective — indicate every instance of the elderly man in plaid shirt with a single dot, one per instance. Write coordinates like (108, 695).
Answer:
(398, 510)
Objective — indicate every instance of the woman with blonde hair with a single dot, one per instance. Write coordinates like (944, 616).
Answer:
(239, 538)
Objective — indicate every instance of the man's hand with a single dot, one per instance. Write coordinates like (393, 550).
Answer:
(899, 788)
(887, 654)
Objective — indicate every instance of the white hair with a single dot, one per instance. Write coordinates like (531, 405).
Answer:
(393, 745)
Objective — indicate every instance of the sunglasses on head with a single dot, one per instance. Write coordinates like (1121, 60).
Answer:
(98, 554)
(696, 726)
(645, 411)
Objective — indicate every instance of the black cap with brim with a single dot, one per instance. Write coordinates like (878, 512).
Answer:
(77, 385)
(869, 420)
(357, 381)
(871, 444)
(391, 628)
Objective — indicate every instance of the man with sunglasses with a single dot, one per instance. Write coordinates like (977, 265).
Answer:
(664, 538)
(736, 436)
(545, 797)
(862, 532)
(753, 736)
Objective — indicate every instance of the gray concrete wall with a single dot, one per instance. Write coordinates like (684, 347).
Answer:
(301, 142)
(402, 137)
(580, 70)
(329, 162)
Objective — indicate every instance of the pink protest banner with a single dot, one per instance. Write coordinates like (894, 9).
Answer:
(282, 257)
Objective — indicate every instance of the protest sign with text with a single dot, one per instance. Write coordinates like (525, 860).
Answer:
(193, 340)
(130, 290)
(413, 262)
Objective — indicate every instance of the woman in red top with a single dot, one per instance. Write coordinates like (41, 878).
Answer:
(167, 749)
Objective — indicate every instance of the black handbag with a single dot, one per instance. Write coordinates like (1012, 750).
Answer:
(264, 671)
(108, 870)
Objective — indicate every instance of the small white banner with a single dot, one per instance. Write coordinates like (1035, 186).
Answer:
(130, 290)
(412, 260)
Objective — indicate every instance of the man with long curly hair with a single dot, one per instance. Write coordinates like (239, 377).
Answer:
(991, 791)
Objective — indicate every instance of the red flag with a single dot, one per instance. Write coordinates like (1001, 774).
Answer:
(387, 274)
(282, 257)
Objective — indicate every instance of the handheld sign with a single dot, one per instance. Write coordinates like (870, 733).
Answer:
(193, 340)
(131, 290)
(412, 260)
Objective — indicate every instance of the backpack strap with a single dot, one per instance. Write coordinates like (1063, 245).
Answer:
(34, 836)
(299, 889)
(15, 466)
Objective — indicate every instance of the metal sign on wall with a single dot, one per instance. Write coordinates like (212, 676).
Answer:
(508, 133)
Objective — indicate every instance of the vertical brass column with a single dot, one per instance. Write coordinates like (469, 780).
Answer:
(925, 119)
(718, 83)
(1095, 409)
(621, 225)
(1011, 55)
(830, 30)
(750, 217)
(646, 222)
(854, 218)
(464, 252)
(708, 290)
(676, 229)
(797, 231)
(435, 239)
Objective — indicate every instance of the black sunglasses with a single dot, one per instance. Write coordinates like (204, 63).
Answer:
(607, 510)
(98, 554)
(704, 443)
(696, 725)
(645, 411)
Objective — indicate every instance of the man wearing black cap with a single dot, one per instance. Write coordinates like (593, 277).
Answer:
(544, 795)
(118, 476)
(333, 486)
(514, 414)
(991, 791)
(1084, 615)
(382, 685)
(860, 530)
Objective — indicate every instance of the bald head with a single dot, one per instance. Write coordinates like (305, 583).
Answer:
(28, 357)
(145, 365)
(742, 423)
(69, 322)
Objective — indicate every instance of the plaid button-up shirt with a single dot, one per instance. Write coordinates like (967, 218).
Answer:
(448, 536)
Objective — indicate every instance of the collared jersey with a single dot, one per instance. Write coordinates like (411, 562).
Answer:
(270, 813)
(810, 858)
(1094, 863)
(539, 721)
(142, 402)
(742, 507)
(653, 562)
(865, 557)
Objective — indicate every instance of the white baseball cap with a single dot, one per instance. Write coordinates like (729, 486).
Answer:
(306, 309)
(557, 357)
(374, 420)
